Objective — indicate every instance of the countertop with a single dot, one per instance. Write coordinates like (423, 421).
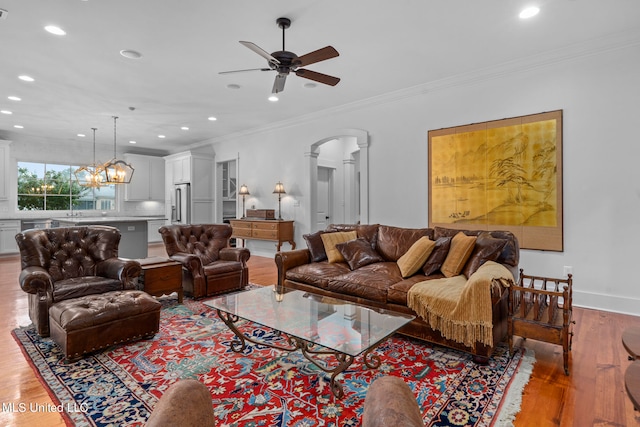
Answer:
(106, 219)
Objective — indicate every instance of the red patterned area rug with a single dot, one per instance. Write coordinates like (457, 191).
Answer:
(266, 387)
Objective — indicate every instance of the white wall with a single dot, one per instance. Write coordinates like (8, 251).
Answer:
(599, 93)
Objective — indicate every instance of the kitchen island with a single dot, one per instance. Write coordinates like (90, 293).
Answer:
(133, 229)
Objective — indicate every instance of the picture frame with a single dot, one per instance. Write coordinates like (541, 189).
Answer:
(500, 175)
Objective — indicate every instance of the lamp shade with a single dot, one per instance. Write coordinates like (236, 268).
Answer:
(244, 191)
(279, 189)
(117, 171)
(93, 175)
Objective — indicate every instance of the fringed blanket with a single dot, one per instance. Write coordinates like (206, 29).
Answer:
(458, 307)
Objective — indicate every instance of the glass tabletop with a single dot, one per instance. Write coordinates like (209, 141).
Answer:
(342, 326)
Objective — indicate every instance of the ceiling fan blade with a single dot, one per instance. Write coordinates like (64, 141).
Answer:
(266, 55)
(318, 77)
(278, 84)
(317, 56)
(242, 71)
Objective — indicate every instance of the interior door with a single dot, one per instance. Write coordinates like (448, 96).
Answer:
(325, 196)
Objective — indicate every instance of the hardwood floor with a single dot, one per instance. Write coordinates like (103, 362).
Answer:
(593, 395)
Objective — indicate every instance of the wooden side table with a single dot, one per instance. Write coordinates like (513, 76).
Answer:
(161, 276)
(631, 342)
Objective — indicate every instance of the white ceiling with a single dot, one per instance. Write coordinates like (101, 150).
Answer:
(81, 80)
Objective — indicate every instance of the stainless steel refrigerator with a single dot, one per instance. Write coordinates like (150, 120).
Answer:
(181, 204)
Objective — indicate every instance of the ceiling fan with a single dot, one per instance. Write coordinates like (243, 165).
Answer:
(285, 62)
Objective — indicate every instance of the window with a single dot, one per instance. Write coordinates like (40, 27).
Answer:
(51, 187)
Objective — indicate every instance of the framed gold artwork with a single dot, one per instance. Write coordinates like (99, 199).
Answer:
(500, 175)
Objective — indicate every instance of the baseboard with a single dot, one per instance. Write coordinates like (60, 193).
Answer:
(605, 302)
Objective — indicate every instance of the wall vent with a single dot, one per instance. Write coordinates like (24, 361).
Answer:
(3, 14)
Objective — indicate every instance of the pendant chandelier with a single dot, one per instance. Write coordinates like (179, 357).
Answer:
(117, 171)
(93, 175)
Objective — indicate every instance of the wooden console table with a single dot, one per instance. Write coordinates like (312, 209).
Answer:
(264, 229)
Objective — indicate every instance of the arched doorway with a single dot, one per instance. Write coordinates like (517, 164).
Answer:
(355, 168)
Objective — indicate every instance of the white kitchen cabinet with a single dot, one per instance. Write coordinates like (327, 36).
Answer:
(4, 165)
(8, 231)
(196, 169)
(147, 182)
(181, 167)
(153, 236)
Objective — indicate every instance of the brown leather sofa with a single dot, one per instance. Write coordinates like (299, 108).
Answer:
(209, 265)
(64, 263)
(380, 284)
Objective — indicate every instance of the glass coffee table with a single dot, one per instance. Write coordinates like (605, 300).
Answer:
(313, 324)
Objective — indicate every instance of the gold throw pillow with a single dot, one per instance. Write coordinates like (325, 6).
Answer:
(416, 256)
(459, 252)
(330, 241)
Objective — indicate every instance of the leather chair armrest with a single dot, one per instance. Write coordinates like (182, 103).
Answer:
(127, 271)
(235, 254)
(188, 261)
(390, 402)
(35, 280)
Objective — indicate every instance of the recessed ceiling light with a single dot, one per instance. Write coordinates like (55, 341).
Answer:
(14, 98)
(273, 98)
(5, 112)
(132, 142)
(529, 12)
(55, 30)
(161, 136)
(18, 126)
(184, 128)
(81, 135)
(131, 54)
(26, 78)
(233, 86)
(213, 119)
(310, 85)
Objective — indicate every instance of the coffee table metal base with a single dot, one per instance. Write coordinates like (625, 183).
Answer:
(308, 349)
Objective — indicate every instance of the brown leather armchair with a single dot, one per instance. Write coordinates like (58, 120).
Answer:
(70, 262)
(209, 266)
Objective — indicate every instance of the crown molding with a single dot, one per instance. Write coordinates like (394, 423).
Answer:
(576, 51)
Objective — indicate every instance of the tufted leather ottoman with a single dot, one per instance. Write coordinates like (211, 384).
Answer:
(93, 322)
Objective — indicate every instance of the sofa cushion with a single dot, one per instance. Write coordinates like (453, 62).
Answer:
(415, 257)
(330, 241)
(459, 252)
(316, 245)
(487, 248)
(437, 256)
(393, 242)
(317, 273)
(369, 282)
(358, 253)
(397, 293)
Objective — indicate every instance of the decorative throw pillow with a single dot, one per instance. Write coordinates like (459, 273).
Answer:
(437, 257)
(358, 253)
(330, 241)
(415, 257)
(487, 248)
(316, 246)
(459, 253)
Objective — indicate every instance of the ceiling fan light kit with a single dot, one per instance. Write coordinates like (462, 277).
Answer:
(285, 62)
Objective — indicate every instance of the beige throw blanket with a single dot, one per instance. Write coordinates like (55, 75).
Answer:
(458, 307)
